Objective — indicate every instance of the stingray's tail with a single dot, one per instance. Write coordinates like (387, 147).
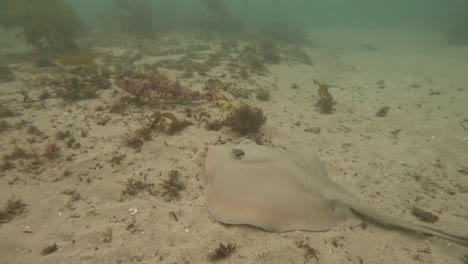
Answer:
(380, 217)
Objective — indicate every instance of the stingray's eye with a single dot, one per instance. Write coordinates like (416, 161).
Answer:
(238, 153)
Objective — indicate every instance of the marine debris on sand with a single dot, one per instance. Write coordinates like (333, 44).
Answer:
(158, 86)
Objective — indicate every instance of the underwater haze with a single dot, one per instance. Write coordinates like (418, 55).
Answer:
(416, 14)
(233, 131)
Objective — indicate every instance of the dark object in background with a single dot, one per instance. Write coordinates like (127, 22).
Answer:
(44, 63)
(457, 34)
(383, 111)
(280, 31)
(245, 120)
(136, 16)
(52, 23)
(326, 101)
(6, 75)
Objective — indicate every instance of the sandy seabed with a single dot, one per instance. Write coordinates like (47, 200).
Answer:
(416, 155)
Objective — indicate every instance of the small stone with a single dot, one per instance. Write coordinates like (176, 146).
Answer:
(315, 130)
(27, 229)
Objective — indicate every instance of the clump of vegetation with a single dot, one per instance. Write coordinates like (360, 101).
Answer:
(48, 22)
(6, 75)
(159, 122)
(52, 151)
(19, 153)
(6, 112)
(173, 186)
(263, 94)
(134, 141)
(50, 249)
(134, 187)
(7, 165)
(33, 130)
(255, 64)
(424, 215)
(222, 251)
(117, 159)
(326, 101)
(178, 126)
(382, 112)
(4, 126)
(269, 52)
(44, 63)
(245, 120)
(77, 58)
(310, 252)
(76, 89)
(11, 209)
(62, 135)
(84, 83)
(215, 125)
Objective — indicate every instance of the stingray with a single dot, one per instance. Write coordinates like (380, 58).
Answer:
(280, 191)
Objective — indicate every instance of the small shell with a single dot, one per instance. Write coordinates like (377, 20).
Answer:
(133, 211)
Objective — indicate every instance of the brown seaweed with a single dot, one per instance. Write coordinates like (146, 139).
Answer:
(245, 120)
(326, 101)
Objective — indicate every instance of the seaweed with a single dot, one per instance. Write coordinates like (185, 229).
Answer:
(263, 94)
(4, 126)
(134, 187)
(222, 251)
(6, 112)
(310, 252)
(52, 151)
(33, 130)
(77, 58)
(245, 120)
(326, 101)
(7, 165)
(134, 141)
(19, 153)
(215, 125)
(157, 123)
(50, 249)
(117, 159)
(382, 112)
(12, 208)
(62, 135)
(44, 63)
(423, 215)
(178, 126)
(173, 186)
(75, 89)
(269, 52)
(47, 22)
